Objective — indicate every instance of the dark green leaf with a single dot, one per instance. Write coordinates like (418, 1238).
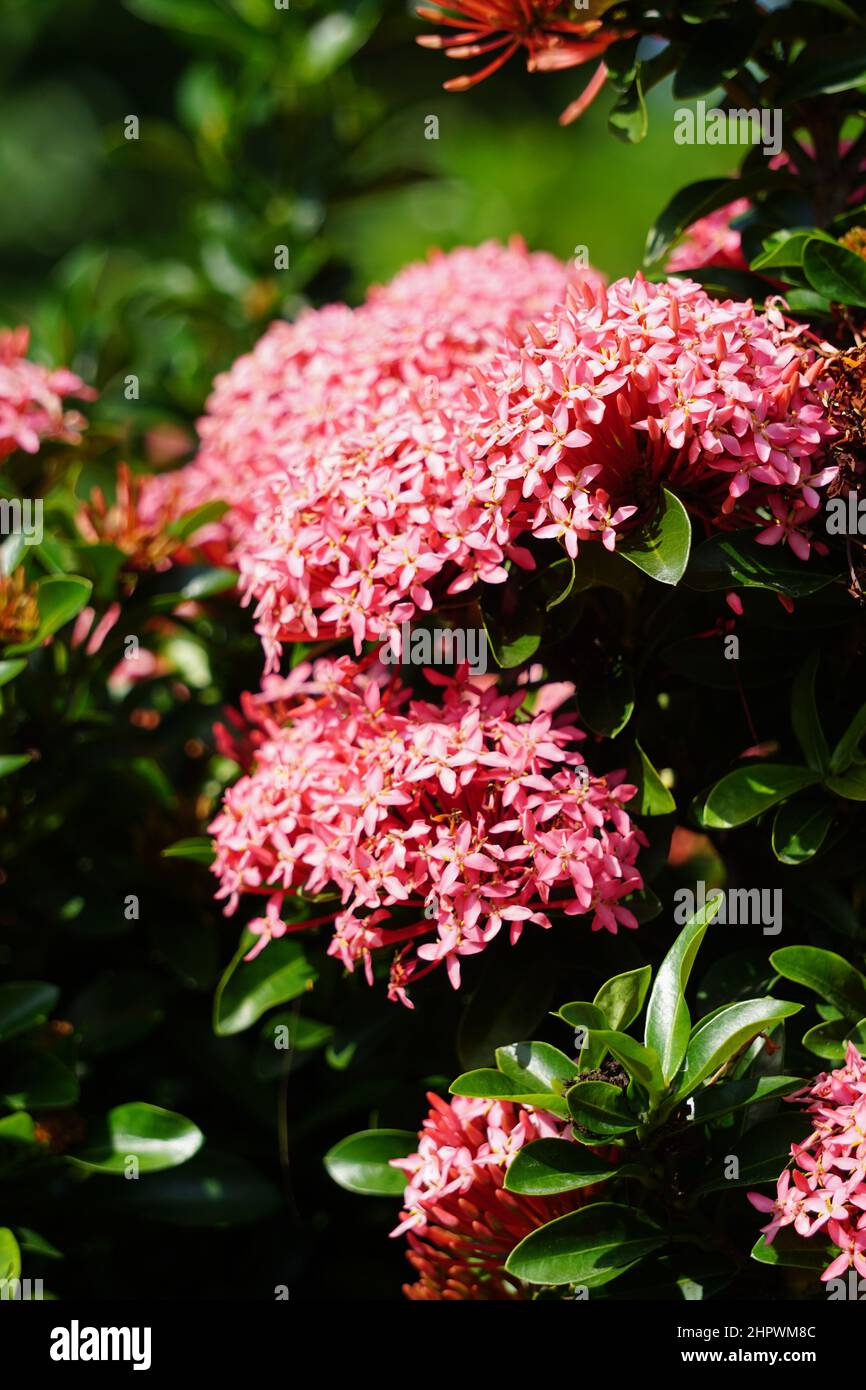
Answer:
(600, 1108)
(549, 1166)
(606, 703)
(715, 1101)
(846, 749)
(804, 717)
(828, 974)
(588, 1247)
(834, 63)
(738, 562)
(200, 849)
(24, 1004)
(800, 829)
(835, 272)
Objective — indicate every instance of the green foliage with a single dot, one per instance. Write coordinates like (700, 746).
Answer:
(302, 129)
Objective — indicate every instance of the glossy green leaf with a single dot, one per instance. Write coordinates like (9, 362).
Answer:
(738, 562)
(607, 702)
(194, 520)
(10, 1256)
(13, 762)
(641, 1063)
(628, 117)
(580, 1014)
(60, 599)
(667, 1018)
(696, 201)
(361, 1162)
(800, 829)
(210, 1192)
(621, 998)
(514, 628)
(716, 52)
(536, 1066)
(786, 247)
(835, 272)
(249, 988)
(790, 1251)
(488, 1083)
(588, 1247)
(10, 669)
(825, 972)
(661, 546)
(830, 1040)
(762, 1151)
(716, 1039)
(548, 1166)
(600, 1108)
(156, 1138)
(653, 797)
(713, 1102)
(39, 1081)
(749, 790)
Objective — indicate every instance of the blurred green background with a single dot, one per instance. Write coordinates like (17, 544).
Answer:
(259, 127)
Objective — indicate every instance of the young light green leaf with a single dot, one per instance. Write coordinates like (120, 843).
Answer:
(621, 998)
(717, 1038)
(653, 797)
(587, 1017)
(667, 1019)
(641, 1063)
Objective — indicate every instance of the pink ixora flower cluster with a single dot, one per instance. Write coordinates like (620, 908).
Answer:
(623, 389)
(711, 241)
(460, 1222)
(338, 444)
(825, 1191)
(436, 823)
(31, 398)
